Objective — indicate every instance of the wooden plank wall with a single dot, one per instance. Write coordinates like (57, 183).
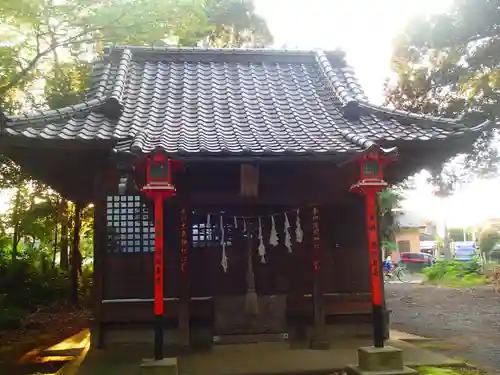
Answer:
(345, 274)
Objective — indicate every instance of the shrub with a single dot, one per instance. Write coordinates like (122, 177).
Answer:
(26, 287)
(449, 269)
(86, 284)
(11, 318)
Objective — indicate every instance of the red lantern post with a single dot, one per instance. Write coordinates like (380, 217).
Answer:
(369, 184)
(158, 188)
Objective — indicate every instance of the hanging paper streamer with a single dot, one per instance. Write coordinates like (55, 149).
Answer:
(288, 237)
(244, 225)
(273, 238)
(208, 221)
(299, 234)
(316, 241)
(262, 248)
(223, 261)
(184, 244)
(235, 222)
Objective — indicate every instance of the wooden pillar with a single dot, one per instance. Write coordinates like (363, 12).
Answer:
(76, 258)
(184, 297)
(375, 268)
(158, 277)
(370, 183)
(158, 188)
(98, 274)
(319, 328)
(99, 252)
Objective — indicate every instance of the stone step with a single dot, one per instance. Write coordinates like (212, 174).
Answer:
(356, 370)
(72, 352)
(166, 366)
(249, 338)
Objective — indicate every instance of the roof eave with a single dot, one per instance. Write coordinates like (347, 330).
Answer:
(455, 124)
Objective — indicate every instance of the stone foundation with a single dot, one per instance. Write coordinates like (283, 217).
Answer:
(166, 366)
(379, 361)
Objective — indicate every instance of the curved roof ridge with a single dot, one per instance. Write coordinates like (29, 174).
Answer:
(352, 97)
(109, 49)
(347, 98)
(110, 105)
(52, 115)
(121, 76)
(348, 101)
(411, 115)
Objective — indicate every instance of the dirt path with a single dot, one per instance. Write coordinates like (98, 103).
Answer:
(44, 329)
(468, 319)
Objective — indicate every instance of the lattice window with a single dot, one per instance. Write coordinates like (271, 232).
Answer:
(129, 229)
(205, 235)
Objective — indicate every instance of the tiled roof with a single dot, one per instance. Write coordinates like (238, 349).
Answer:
(405, 219)
(217, 101)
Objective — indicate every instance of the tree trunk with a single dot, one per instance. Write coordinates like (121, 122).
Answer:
(446, 246)
(56, 232)
(16, 237)
(64, 235)
(76, 257)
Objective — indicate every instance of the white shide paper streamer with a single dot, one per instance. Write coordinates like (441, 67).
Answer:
(299, 234)
(223, 261)
(273, 237)
(288, 237)
(262, 247)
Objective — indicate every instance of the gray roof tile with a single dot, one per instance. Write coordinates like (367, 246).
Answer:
(193, 101)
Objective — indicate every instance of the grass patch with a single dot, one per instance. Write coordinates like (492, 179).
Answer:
(455, 281)
(466, 370)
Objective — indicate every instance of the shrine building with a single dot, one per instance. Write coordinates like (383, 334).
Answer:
(234, 191)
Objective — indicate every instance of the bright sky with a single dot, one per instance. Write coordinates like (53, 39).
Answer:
(364, 29)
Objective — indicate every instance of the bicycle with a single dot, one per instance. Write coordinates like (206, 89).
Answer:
(399, 271)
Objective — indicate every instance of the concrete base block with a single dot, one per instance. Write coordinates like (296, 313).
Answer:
(380, 359)
(166, 366)
(356, 370)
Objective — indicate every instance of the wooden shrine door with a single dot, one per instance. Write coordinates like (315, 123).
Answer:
(239, 308)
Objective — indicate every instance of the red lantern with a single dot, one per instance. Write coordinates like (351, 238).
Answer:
(371, 175)
(159, 177)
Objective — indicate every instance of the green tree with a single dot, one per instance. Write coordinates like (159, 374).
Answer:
(448, 65)
(457, 234)
(389, 200)
(45, 56)
(487, 241)
(42, 32)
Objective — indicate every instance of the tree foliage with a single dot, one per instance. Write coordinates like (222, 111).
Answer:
(389, 200)
(449, 65)
(46, 51)
(488, 239)
(460, 234)
(40, 33)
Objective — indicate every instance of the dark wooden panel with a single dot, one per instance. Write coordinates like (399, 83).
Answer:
(279, 184)
(344, 250)
(231, 316)
(282, 272)
(203, 309)
(128, 275)
(116, 312)
(334, 304)
(344, 263)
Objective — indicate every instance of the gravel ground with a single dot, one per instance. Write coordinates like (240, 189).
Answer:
(468, 319)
